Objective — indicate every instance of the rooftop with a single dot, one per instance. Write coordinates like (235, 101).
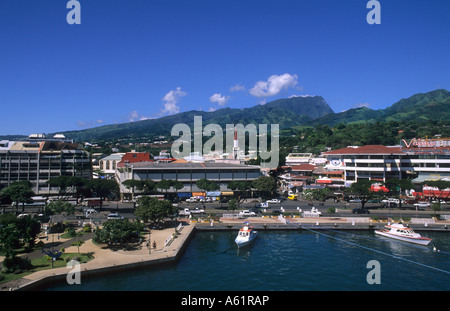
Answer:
(303, 167)
(187, 165)
(368, 149)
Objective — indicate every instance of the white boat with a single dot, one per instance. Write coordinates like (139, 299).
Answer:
(246, 235)
(400, 232)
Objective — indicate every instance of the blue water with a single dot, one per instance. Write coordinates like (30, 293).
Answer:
(291, 260)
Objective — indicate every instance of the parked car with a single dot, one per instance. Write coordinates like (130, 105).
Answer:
(360, 211)
(114, 216)
(273, 201)
(422, 204)
(247, 213)
(255, 210)
(355, 200)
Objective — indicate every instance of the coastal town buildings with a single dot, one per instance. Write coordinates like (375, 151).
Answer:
(38, 159)
(418, 160)
(188, 173)
(108, 165)
(377, 162)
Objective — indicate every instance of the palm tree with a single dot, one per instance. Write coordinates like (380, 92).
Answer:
(78, 244)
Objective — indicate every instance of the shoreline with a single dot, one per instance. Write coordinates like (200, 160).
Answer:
(108, 261)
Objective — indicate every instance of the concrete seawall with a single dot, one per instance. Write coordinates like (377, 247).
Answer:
(317, 223)
(107, 261)
(112, 263)
(317, 226)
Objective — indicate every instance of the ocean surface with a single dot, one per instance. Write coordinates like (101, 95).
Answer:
(325, 260)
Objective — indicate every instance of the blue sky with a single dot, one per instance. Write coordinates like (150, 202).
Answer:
(131, 60)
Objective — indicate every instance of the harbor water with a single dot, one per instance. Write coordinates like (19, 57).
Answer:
(303, 260)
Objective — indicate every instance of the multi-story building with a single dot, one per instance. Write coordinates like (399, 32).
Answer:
(376, 162)
(39, 159)
(188, 173)
(298, 158)
(108, 164)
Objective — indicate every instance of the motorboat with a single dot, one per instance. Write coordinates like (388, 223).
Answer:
(246, 235)
(400, 232)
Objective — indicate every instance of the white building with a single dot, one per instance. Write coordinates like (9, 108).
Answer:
(298, 158)
(108, 165)
(377, 162)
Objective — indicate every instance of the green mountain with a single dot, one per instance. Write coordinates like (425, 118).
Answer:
(287, 112)
(433, 105)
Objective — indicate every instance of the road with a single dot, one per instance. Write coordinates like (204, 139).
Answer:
(343, 209)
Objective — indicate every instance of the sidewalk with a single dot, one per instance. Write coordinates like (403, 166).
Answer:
(106, 259)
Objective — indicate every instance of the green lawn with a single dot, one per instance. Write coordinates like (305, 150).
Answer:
(43, 263)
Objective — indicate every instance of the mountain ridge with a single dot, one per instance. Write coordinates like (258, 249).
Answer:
(288, 112)
(433, 105)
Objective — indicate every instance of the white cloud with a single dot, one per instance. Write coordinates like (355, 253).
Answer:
(219, 99)
(237, 88)
(171, 100)
(211, 109)
(134, 116)
(274, 85)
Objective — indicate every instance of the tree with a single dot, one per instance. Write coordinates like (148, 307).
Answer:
(131, 184)
(58, 207)
(63, 182)
(163, 184)
(143, 186)
(177, 185)
(118, 232)
(265, 184)
(28, 229)
(363, 189)
(9, 239)
(232, 204)
(78, 244)
(316, 194)
(207, 185)
(396, 186)
(19, 192)
(240, 185)
(154, 210)
(103, 187)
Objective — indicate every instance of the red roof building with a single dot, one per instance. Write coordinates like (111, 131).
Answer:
(134, 157)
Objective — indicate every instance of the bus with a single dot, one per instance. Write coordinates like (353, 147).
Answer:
(35, 202)
(90, 202)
